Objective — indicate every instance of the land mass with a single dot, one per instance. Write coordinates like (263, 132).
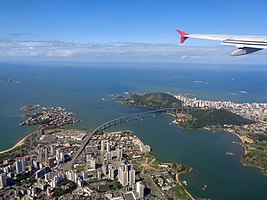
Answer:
(116, 164)
(111, 164)
(247, 121)
(51, 117)
(156, 100)
(211, 118)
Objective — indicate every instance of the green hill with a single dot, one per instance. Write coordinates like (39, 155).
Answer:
(156, 100)
(205, 118)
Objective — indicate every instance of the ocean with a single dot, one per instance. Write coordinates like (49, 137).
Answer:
(88, 90)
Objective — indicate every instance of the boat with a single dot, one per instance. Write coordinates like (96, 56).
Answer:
(184, 182)
(230, 153)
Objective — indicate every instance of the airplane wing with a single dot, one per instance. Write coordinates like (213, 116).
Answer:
(245, 44)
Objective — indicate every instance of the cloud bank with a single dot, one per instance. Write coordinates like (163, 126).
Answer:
(121, 51)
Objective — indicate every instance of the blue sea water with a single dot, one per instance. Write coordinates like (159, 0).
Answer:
(87, 89)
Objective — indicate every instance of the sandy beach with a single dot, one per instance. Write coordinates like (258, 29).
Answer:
(18, 144)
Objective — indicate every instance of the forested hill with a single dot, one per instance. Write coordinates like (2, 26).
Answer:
(204, 118)
(156, 100)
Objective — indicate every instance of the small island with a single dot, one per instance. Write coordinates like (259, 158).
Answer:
(51, 117)
(112, 164)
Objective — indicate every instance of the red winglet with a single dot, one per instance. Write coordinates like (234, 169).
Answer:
(183, 35)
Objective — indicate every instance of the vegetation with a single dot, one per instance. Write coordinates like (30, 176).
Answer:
(80, 168)
(202, 118)
(156, 100)
(180, 192)
(24, 176)
(66, 186)
(212, 118)
(256, 156)
(114, 185)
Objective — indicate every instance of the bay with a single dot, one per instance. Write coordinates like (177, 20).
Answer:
(87, 89)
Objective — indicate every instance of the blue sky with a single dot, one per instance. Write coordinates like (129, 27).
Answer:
(138, 21)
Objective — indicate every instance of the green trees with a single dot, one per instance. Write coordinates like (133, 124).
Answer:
(218, 118)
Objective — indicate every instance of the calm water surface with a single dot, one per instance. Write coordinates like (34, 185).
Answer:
(87, 90)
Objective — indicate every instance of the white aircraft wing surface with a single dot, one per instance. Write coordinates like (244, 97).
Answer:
(245, 43)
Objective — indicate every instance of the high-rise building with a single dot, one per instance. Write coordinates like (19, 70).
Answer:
(132, 177)
(102, 145)
(88, 157)
(70, 175)
(111, 172)
(99, 174)
(46, 155)
(124, 178)
(119, 154)
(3, 180)
(108, 156)
(92, 163)
(20, 165)
(104, 169)
(49, 176)
(108, 147)
(59, 156)
(52, 149)
(126, 175)
(140, 188)
(84, 175)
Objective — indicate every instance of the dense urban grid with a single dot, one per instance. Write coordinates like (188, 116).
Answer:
(113, 166)
(256, 112)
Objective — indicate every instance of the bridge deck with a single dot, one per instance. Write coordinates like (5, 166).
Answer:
(120, 120)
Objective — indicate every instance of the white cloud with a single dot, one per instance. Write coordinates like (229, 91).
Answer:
(122, 51)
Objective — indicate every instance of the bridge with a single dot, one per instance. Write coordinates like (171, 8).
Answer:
(121, 120)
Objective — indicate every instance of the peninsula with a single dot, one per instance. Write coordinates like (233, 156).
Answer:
(247, 121)
(115, 165)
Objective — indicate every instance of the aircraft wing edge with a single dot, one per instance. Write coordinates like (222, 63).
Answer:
(245, 44)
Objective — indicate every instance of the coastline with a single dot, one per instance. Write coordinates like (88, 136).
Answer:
(227, 130)
(242, 140)
(24, 141)
(242, 144)
(181, 185)
(18, 144)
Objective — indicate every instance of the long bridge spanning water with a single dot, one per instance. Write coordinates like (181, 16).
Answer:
(121, 120)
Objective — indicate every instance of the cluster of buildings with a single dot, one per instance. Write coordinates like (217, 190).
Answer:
(50, 117)
(253, 111)
(107, 157)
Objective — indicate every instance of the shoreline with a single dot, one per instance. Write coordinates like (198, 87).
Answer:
(181, 185)
(226, 130)
(242, 144)
(242, 140)
(18, 144)
(23, 141)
